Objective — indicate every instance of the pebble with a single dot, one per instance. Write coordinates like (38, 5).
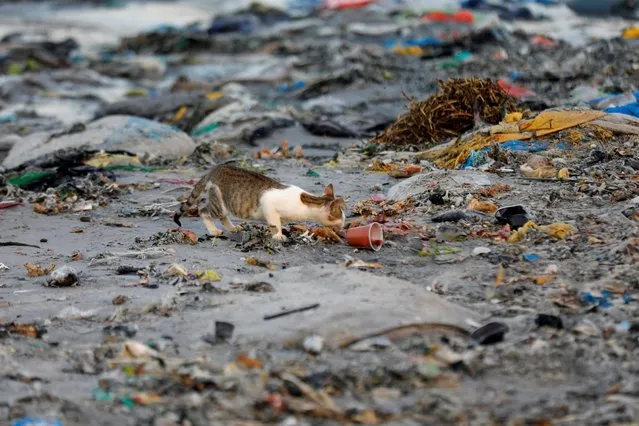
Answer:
(481, 250)
(314, 344)
(64, 276)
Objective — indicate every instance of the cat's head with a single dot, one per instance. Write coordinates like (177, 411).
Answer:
(330, 209)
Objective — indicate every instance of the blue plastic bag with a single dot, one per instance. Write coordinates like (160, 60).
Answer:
(36, 421)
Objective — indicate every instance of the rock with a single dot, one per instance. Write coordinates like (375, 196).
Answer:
(314, 344)
(137, 136)
(64, 276)
(477, 251)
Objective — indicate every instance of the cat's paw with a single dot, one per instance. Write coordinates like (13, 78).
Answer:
(280, 237)
(216, 233)
(236, 228)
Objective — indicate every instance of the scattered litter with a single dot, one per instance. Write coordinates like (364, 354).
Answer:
(356, 263)
(36, 421)
(490, 333)
(531, 257)
(208, 276)
(16, 244)
(73, 313)
(292, 311)
(514, 216)
(326, 234)
(253, 261)
(546, 320)
(482, 206)
(29, 330)
(37, 270)
(9, 204)
(369, 236)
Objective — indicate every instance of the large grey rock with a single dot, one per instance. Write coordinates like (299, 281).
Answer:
(352, 304)
(448, 180)
(138, 136)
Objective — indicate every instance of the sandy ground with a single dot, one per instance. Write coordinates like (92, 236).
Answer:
(581, 371)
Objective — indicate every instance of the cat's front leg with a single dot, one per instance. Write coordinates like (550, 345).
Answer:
(275, 224)
(229, 225)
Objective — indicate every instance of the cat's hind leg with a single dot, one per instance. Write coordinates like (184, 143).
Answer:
(215, 209)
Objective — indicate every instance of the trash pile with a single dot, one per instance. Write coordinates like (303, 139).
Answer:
(461, 105)
(487, 154)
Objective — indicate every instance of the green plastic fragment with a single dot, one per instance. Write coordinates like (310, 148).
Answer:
(15, 69)
(30, 178)
(127, 401)
(205, 129)
(129, 370)
(312, 173)
(33, 65)
(370, 149)
(101, 395)
(136, 92)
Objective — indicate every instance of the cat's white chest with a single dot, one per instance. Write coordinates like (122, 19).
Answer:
(286, 203)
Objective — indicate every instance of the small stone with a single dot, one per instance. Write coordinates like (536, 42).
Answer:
(43, 240)
(481, 250)
(314, 344)
(259, 287)
(551, 269)
(549, 321)
(121, 330)
(587, 328)
(223, 330)
(65, 276)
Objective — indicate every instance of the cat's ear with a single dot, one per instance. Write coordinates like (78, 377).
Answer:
(328, 191)
(337, 203)
(337, 207)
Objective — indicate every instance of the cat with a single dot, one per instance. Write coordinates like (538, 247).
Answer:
(233, 191)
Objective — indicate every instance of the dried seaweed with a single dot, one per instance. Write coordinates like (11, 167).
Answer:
(448, 113)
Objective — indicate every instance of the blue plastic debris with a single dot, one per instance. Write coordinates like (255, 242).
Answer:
(476, 158)
(531, 257)
(602, 301)
(8, 118)
(631, 109)
(286, 88)
(508, 9)
(518, 145)
(479, 157)
(229, 24)
(623, 326)
(36, 421)
(623, 103)
(424, 41)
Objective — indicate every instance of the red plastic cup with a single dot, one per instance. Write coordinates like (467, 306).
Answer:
(369, 236)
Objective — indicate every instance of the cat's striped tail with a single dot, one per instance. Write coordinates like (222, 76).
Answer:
(193, 199)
